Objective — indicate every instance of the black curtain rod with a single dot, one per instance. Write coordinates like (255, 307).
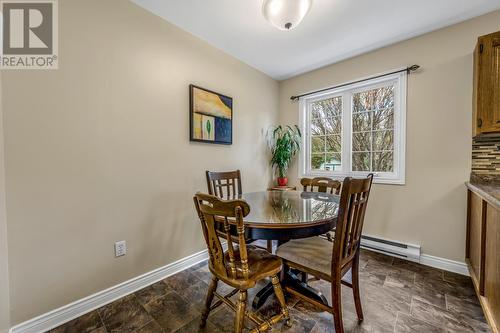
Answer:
(407, 70)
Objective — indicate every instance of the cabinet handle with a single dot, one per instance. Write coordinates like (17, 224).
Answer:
(479, 122)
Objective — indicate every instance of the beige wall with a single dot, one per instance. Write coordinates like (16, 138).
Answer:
(4, 275)
(430, 209)
(98, 151)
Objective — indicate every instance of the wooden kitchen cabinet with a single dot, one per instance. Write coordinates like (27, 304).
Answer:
(476, 239)
(486, 85)
(492, 265)
(483, 248)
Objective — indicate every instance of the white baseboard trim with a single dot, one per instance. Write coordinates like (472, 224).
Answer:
(78, 308)
(412, 253)
(445, 264)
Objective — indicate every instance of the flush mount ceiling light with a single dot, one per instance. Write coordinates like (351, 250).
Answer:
(285, 14)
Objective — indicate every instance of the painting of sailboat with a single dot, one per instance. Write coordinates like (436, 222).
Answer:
(211, 116)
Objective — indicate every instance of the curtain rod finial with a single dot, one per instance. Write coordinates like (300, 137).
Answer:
(294, 98)
(413, 68)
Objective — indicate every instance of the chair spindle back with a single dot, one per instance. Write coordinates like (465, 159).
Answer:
(353, 201)
(225, 185)
(211, 209)
(321, 184)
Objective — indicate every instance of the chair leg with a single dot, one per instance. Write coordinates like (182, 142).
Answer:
(208, 302)
(281, 299)
(240, 312)
(337, 306)
(284, 269)
(304, 277)
(270, 246)
(355, 287)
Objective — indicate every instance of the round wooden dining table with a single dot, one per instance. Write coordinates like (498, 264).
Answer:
(286, 215)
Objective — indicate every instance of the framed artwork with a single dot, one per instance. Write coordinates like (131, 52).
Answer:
(210, 116)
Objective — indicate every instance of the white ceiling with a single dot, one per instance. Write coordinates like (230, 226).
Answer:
(332, 31)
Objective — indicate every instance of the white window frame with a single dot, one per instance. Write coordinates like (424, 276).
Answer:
(396, 177)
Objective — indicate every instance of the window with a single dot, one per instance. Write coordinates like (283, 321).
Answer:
(326, 134)
(356, 130)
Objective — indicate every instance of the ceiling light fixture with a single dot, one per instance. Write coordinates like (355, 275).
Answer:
(285, 14)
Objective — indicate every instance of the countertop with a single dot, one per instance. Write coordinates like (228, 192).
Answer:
(490, 193)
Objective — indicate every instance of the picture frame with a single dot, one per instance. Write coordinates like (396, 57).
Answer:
(210, 116)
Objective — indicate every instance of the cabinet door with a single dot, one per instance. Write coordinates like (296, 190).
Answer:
(495, 44)
(476, 239)
(492, 264)
(477, 99)
(487, 84)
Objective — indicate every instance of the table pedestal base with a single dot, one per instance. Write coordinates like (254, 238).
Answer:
(293, 281)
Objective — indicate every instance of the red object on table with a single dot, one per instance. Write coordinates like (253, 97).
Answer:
(282, 181)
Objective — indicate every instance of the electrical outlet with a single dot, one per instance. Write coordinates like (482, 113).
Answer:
(120, 248)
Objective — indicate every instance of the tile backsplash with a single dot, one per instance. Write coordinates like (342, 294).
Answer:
(486, 159)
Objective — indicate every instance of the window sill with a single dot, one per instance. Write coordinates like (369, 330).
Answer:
(340, 177)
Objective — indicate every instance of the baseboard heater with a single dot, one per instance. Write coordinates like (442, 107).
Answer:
(405, 251)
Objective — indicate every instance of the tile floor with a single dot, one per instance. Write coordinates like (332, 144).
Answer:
(397, 296)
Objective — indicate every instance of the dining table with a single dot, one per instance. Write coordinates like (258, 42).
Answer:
(285, 215)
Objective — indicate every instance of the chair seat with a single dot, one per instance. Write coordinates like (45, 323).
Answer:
(313, 254)
(261, 264)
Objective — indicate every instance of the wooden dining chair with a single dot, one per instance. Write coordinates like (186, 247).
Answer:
(331, 261)
(241, 266)
(227, 185)
(321, 184)
(324, 185)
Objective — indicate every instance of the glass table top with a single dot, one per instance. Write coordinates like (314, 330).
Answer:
(290, 208)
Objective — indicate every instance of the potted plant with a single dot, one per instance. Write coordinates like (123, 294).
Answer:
(284, 143)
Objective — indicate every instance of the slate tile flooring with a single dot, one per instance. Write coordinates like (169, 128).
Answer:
(397, 296)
